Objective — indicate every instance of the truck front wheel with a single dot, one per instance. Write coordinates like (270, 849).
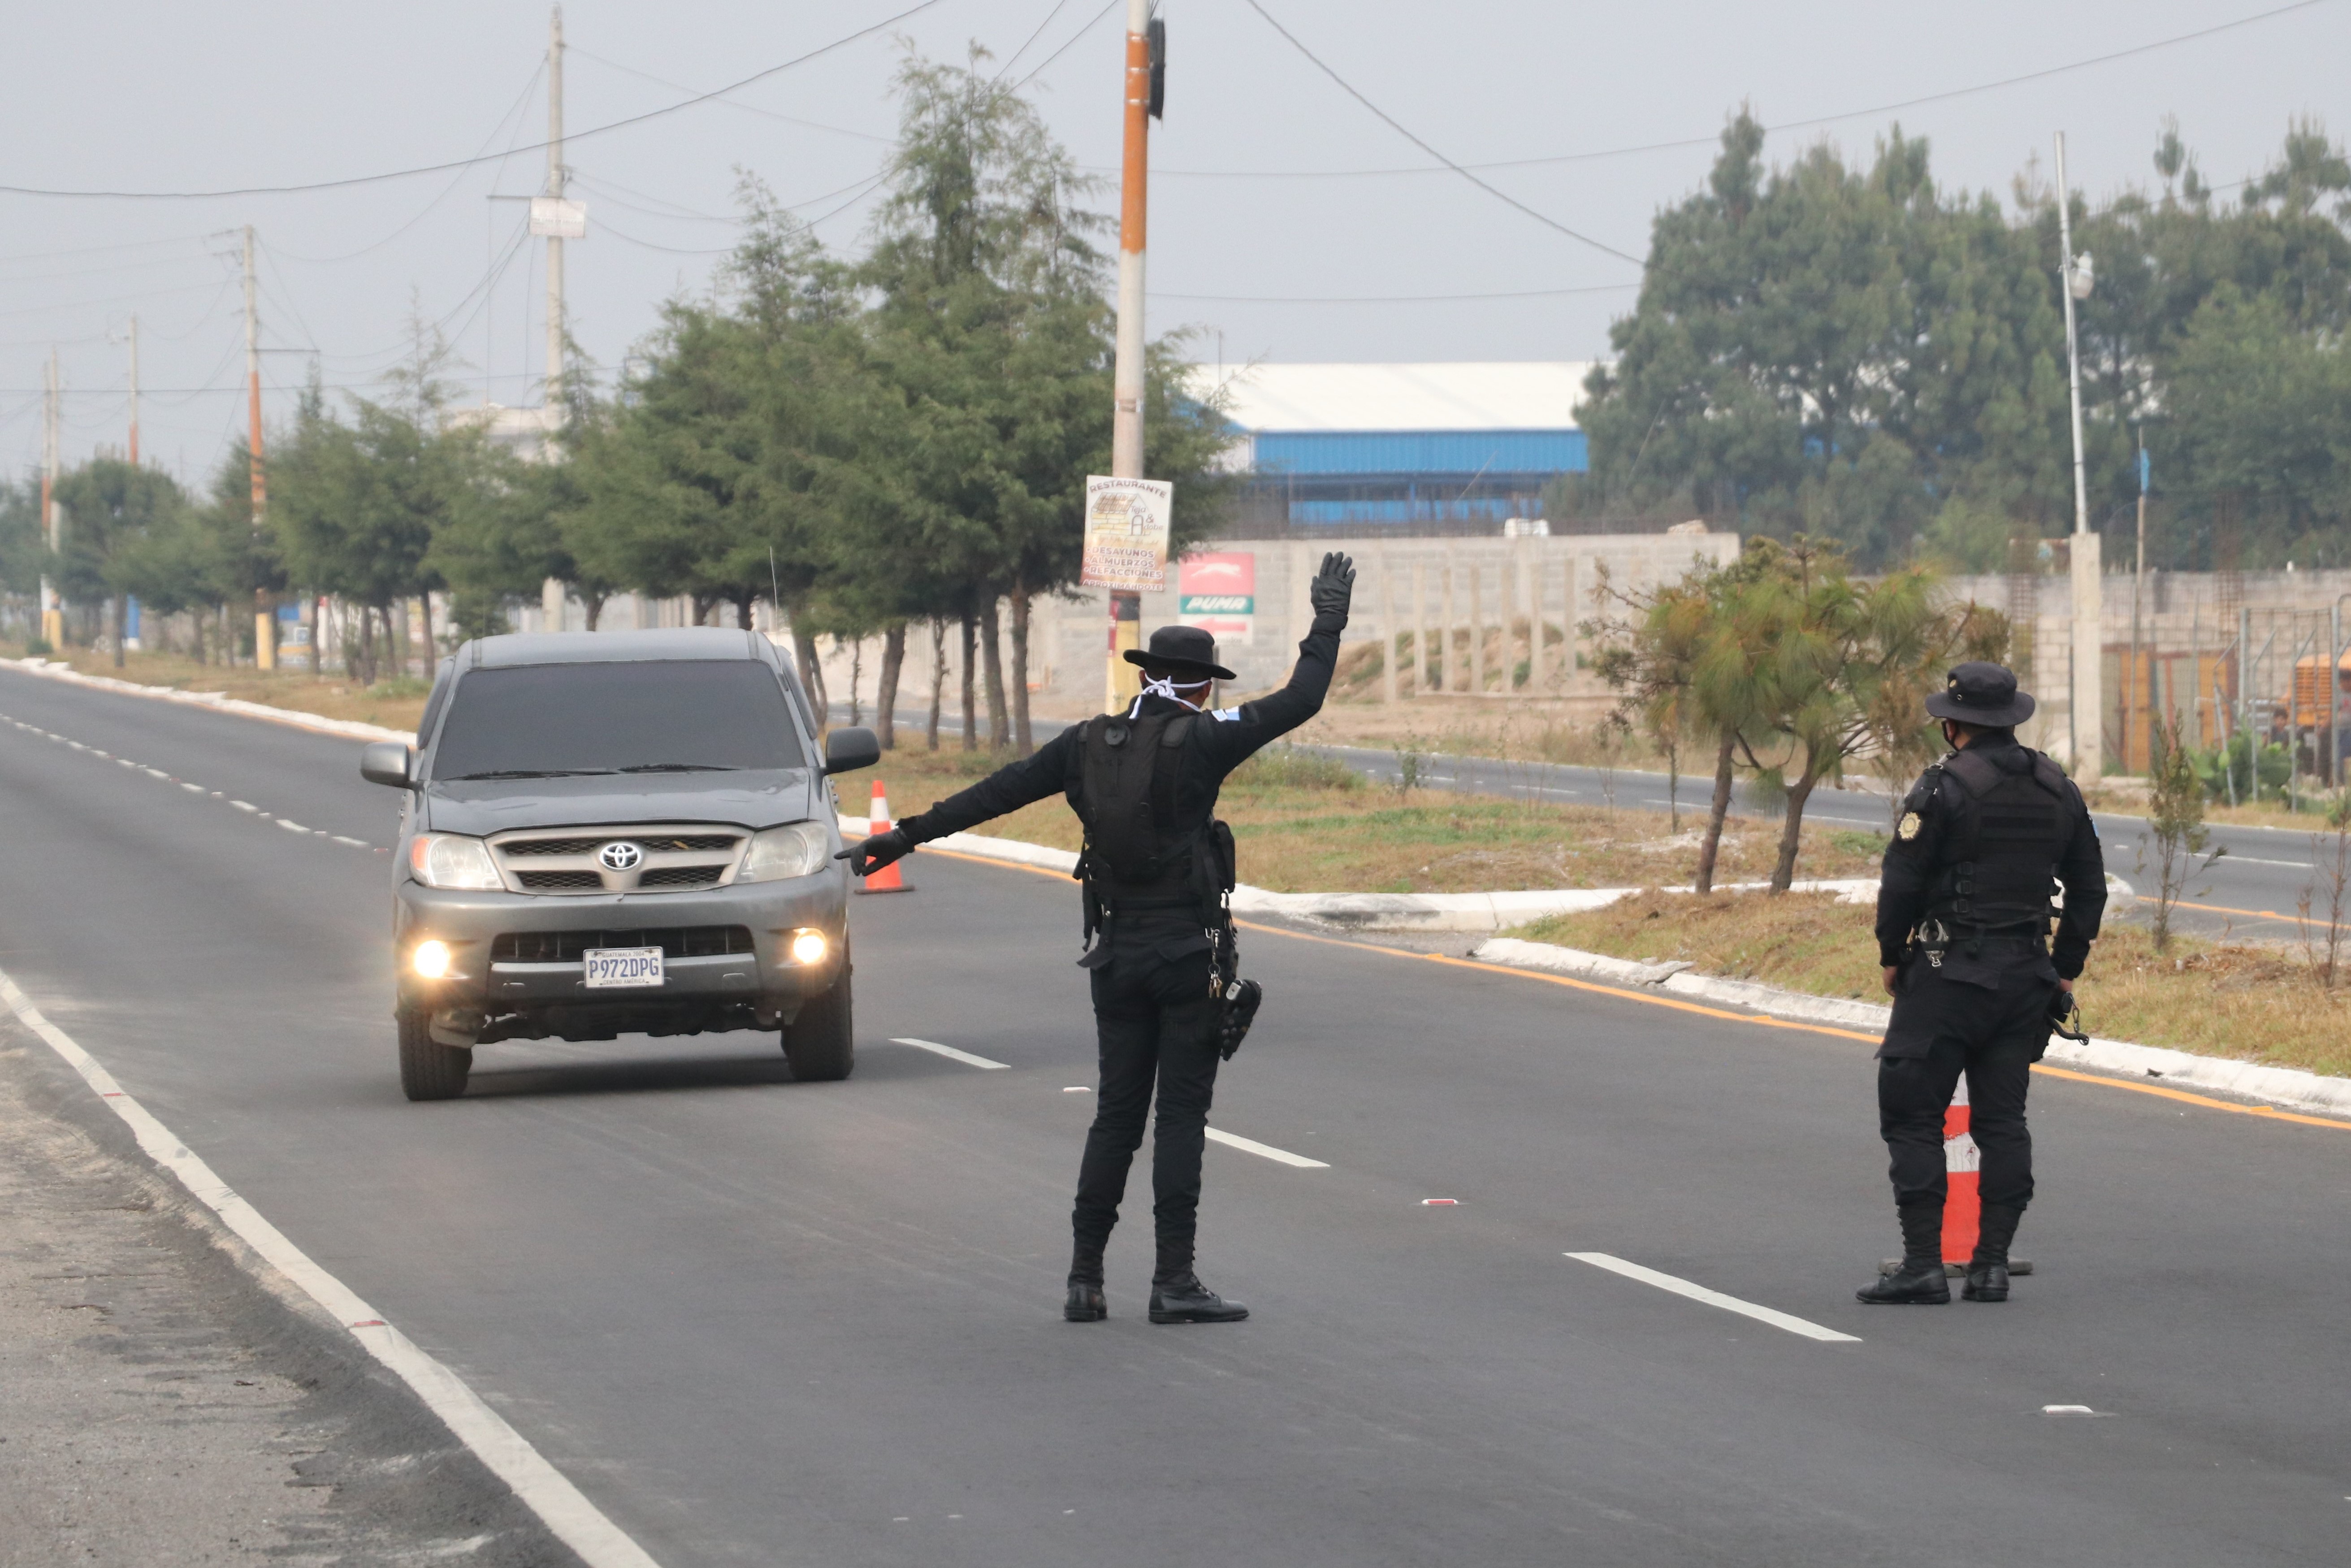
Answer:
(819, 1044)
(428, 1070)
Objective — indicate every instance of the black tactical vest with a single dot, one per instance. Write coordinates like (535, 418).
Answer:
(1121, 784)
(1999, 854)
(1124, 790)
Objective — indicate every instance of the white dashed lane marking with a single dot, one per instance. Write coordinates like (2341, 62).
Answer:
(1266, 1151)
(246, 806)
(952, 1054)
(1680, 1287)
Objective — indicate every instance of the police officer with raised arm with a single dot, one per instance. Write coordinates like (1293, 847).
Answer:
(1155, 869)
(1963, 914)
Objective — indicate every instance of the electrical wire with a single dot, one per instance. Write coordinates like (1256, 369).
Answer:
(1389, 299)
(628, 238)
(746, 107)
(1014, 58)
(605, 189)
(1040, 69)
(1398, 127)
(109, 300)
(349, 180)
(513, 110)
(1682, 143)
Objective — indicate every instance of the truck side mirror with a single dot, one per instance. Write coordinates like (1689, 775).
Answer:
(389, 762)
(847, 750)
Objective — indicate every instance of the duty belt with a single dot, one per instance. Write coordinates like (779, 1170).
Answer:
(1935, 936)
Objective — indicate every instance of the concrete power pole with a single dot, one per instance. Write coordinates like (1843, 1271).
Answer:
(1127, 372)
(2088, 710)
(53, 614)
(265, 613)
(134, 390)
(551, 592)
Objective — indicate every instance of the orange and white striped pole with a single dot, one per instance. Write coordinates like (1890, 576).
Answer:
(889, 878)
(1962, 1167)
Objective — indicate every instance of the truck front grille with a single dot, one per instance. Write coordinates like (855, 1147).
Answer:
(560, 881)
(566, 946)
(653, 857)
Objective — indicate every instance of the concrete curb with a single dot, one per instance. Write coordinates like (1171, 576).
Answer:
(2287, 1087)
(1374, 911)
(348, 729)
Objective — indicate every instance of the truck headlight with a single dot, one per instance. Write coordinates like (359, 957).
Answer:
(809, 945)
(795, 850)
(430, 959)
(453, 861)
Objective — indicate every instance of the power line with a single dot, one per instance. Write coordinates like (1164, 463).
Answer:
(351, 180)
(1398, 127)
(1683, 143)
(513, 110)
(1390, 298)
(571, 49)
(1013, 58)
(1040, 69)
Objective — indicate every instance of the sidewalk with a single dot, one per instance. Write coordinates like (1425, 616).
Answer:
(158, 1405)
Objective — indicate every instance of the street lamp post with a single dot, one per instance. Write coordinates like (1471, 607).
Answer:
(2087, 719)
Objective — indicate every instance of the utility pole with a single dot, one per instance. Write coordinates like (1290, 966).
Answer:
(2087, 719)
(1145, 39)
(53, 614)
(552, 592)
(134, 390)
(265, 641)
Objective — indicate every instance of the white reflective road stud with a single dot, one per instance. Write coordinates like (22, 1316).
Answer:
(952, 1054)
(1267, 1151)
(1772, 1315)
(544, 1489)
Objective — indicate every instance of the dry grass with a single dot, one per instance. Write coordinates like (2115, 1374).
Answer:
(1308, 826)
(2254, 1003)
(396, 704)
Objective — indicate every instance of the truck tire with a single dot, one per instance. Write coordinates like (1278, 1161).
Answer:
(820, 1043)
(428, 1070)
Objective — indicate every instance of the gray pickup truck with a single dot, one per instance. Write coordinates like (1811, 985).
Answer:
(617, 833)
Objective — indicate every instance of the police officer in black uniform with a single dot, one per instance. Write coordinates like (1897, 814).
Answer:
(1155, 867)
(1963, 918)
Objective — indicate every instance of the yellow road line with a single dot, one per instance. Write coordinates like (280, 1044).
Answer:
(1676, 1004)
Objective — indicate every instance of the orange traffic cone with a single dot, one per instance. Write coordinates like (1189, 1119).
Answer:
(889, 878)
(1963, 1198)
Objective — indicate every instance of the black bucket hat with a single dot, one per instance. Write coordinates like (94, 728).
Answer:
(1184, 649)
(1981, 694)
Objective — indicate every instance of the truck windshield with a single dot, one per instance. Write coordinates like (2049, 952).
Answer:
(654, 718)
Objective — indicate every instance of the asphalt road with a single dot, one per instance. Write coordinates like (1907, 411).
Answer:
(762, 1322)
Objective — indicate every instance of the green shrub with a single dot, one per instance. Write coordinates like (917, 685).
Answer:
(38, 648)
(1286, 767)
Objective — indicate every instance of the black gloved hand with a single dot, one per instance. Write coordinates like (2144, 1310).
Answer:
(1332, 589)
(877, 851)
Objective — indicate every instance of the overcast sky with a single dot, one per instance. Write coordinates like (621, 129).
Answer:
(141, 95)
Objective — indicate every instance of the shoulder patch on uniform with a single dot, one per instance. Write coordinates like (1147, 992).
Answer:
(1909, 827)
(1226, 716)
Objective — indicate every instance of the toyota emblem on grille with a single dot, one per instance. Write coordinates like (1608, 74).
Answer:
(621, 856)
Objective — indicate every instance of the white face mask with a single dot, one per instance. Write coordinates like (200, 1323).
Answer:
(1193, 695)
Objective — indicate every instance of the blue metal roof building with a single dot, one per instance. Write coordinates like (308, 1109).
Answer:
(1397, 446)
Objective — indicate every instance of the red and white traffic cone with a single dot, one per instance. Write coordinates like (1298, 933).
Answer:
(888, 878)
(1963, 1201)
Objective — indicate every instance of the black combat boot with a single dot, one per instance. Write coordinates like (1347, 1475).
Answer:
(1184, 1300)
(1920, 1281)
(1988, 1270)
(1085, 1303)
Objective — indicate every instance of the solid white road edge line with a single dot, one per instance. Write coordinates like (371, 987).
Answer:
(1251, 1145)
(952, 1054)
(577, 1522)
(1777, 1319)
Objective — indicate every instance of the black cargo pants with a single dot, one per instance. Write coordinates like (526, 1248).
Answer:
(1985, 1015)
(1157, 1024)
